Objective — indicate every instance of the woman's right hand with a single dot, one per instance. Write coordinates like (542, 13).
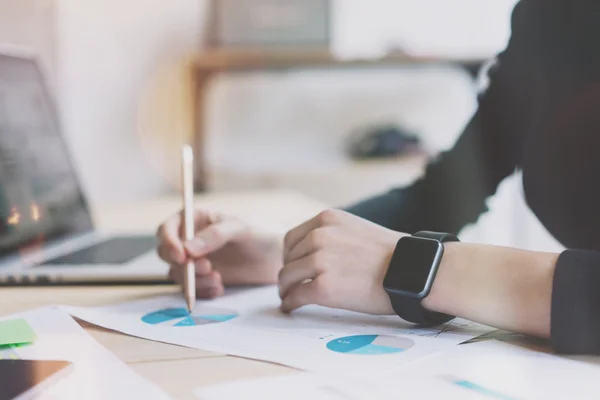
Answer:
(225, 251)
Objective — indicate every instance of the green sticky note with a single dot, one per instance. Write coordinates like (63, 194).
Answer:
(16, 331)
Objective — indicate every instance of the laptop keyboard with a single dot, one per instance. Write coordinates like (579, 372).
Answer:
(117, 250)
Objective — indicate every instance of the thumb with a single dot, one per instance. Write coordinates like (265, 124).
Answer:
(215, 236)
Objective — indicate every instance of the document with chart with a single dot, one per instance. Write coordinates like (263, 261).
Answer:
(488, 370)
(248, 323)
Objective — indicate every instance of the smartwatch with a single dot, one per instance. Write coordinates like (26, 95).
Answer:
(411, 273)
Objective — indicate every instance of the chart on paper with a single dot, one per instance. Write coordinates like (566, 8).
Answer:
(181, 317)
(370, 344)
(249, 323)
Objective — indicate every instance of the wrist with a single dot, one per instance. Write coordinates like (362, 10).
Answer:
(503, 287)
(440, 298)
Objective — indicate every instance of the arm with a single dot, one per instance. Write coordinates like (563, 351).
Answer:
(502, 287)
(453, 191)
(541, 294)
(339, 260)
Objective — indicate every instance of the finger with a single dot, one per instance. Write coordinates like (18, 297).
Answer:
(311, 243)
(164, 253)
(210, 293)
(176, 274)
(215, 289)
(293, 237)
(170, 247)
(210, 281)
(304, 294)
(203, 267)
(202, 219)
(296, 273)
(215, 236)
(173, 274)
(169, 234)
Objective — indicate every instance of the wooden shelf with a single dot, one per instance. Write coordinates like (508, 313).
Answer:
(216, 60)
(204, 66)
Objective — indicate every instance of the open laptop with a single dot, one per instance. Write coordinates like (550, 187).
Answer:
(46, 230)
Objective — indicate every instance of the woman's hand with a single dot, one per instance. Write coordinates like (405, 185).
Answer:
(337, 260)
(225, 251)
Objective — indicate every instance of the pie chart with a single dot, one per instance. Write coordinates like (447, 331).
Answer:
(370, 344)
(181, 317)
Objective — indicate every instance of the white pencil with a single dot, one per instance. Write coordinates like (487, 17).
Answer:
(187, 184)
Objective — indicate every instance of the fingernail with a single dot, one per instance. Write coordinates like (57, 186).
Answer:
(196, 245)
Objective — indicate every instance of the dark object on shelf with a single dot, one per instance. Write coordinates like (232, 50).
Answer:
(380, 142)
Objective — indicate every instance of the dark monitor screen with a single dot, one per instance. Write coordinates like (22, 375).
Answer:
(40, 196)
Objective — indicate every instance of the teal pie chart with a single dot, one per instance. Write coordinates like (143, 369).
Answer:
(179, 317)
(370, 344)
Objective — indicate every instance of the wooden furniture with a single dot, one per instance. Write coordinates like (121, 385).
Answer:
(207, 65)
(176, 369)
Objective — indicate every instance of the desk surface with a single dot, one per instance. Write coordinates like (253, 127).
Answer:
(177, 369)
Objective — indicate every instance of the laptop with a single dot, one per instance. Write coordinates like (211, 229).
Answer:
(46, 230)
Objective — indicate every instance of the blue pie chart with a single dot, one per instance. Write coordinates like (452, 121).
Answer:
(181, 316)
(370, 344)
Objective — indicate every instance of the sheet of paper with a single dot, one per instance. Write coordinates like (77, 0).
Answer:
(248, 323)
(97, 373)
(480, 371)
(303, 385)
(503, 371)
(15, 331)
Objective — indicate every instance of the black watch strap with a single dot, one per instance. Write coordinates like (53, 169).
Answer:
(410, 308)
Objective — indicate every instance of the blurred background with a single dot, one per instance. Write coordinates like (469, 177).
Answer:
(337, 99)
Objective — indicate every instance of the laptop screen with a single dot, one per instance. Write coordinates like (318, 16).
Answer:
(40, 197)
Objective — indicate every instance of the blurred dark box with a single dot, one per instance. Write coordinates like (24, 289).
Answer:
(258, 24)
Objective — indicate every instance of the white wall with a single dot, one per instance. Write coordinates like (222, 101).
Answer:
(457, 28)
(108, 49)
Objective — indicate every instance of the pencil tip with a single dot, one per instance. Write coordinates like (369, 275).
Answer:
(190, 305)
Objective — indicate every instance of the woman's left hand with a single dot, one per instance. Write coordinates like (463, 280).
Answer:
(337, 260)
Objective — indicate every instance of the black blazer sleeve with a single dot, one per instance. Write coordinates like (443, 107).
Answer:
(453, 191)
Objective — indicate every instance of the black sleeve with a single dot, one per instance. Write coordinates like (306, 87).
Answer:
(575, 315)
(453, 191)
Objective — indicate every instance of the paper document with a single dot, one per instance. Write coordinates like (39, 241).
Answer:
(248, 323)
(97, 373)
(506, 372)
(481, 371)
(304, 385)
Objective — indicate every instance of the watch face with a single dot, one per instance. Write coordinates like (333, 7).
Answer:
(412, 264)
